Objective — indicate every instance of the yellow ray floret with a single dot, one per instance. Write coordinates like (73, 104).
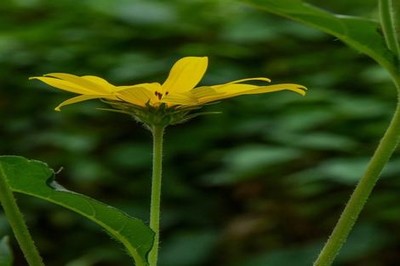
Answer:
(179, 89)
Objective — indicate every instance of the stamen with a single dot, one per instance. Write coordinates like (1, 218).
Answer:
(158, 94)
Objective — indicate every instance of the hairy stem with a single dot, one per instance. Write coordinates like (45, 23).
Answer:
(157, 132)
(382, 154)
(17, 223)
(388, 12)
(364, 187)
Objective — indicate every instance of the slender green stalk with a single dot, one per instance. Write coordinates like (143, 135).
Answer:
(361, 193)
(16, 220)
(364, 187)
(382, 154)
(158, 132)
(388, 10)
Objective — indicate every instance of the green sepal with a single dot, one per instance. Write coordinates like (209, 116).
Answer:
(161, 115)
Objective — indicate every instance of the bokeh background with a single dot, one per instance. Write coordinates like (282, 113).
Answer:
(260, 184)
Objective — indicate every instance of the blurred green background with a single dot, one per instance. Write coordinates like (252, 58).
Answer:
(261, 184)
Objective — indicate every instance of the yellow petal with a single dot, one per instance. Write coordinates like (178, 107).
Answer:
(63, 85)
(186, 99)
(205, 91)
(82, 98)
(194, 97)
(233, 90)
(246, 79)
(137, 95)
(94, 84)
(206, 94)
(101, 82)
(185, 74)
(152, 87)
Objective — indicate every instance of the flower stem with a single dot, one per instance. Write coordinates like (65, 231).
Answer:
(17, 223)
(158, 132)
(364, 187)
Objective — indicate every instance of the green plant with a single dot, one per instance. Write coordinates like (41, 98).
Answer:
(380, 41)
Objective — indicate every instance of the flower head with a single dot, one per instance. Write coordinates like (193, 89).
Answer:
(177, 93)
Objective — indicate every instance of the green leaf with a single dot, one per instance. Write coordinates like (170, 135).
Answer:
(360, 33)
(6, 256)
(35, 178)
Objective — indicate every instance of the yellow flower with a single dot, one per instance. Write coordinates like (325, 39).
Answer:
(161, 104)
(179, 90)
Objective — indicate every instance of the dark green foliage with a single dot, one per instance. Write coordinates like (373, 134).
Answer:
(6, 256)
(262, 183)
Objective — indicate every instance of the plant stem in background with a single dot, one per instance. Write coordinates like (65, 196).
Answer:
(17, 223)
(158, 132)
(361, 193)
(388, 12)
(381, 156)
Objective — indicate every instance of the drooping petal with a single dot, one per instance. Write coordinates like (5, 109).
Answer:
(208, 93)
(82, 98)
(246, 79)
(233, 90)
(185, 74)
(101, 82)
(63, 85)
(91, 83)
